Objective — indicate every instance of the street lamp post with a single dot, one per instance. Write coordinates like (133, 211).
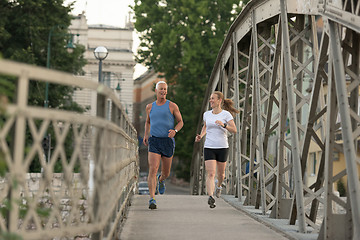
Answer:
(46, 102)
(68, 46)
(46, 143)
(100, 53)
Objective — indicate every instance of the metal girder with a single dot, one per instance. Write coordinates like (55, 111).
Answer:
(237, 120)
(288, 96)
(245, 127)
(348, 141)
(257, 100)
(295, 148)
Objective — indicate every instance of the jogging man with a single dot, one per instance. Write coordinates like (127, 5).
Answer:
(159, 137)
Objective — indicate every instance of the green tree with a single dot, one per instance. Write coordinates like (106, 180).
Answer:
(24, 30)
(182, 39)
(341, 188)
(25, 26)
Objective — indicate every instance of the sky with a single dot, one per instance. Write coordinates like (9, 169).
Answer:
(109, 12)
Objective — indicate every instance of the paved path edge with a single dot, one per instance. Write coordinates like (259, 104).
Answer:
(279, 225)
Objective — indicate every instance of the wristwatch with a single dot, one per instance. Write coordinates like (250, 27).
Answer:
(175, 130)
(225, 124)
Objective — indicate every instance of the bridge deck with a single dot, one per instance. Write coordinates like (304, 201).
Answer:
(189, 217)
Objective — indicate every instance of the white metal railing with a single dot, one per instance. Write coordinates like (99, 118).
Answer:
(98, 158)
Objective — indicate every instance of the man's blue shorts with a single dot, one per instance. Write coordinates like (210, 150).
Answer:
(163, 146)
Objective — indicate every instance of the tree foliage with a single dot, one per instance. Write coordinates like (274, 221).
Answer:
(181, 38)
(25, 27)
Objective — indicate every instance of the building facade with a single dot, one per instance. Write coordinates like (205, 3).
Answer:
(117, 68)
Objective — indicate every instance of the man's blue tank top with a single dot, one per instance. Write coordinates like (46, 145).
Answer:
(161, 120)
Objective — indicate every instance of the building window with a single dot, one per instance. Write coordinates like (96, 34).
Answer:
(107, 78)
(313, 159)
(108, 113)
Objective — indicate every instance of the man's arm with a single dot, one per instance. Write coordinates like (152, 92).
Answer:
(176, 112)
(147, 125)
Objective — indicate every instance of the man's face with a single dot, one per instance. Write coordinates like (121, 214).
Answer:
(161, 91)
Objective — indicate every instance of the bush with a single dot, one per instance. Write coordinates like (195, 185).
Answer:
(341, 188)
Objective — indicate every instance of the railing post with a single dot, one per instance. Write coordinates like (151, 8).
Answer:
(100, 112)
(18, 148)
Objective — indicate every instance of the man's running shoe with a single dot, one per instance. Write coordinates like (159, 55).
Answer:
(152, 203)
(211, 202)
(157, 185)
(157, 188)
(161, 185)
(218, 191)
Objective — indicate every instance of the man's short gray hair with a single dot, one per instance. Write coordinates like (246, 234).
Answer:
(158, 83)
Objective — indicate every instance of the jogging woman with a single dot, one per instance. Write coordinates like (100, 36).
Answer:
(217, 123)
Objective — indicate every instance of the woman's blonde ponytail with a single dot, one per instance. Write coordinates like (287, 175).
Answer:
(227, 103)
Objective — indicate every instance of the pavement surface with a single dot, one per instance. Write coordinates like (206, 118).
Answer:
(187, 217)
(281, 225)
(172, 189)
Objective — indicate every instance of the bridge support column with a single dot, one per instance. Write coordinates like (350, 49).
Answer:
(295, 150)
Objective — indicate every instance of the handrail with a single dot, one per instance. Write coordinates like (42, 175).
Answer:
(98, 169)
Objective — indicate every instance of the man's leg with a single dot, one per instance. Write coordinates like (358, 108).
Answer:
(165, 172)
(154, 162)
(165, 167)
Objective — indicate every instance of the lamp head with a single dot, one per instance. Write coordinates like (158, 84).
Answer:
(118, 88)
(70, 47)
(101, 53)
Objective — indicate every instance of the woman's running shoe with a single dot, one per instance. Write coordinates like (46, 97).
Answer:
(211, 202)
(218, 191)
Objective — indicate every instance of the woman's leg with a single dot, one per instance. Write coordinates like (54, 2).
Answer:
(210, 166)
(220, 172)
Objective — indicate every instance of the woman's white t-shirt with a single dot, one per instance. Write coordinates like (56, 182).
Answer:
(216, 136)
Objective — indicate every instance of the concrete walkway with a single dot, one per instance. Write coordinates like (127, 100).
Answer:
(187, 217)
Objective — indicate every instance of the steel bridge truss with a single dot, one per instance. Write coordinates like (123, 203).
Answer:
(292, 68)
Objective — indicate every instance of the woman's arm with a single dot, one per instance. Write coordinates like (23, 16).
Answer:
(202, 134)
(230, 125)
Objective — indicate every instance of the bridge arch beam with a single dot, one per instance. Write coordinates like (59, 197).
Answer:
(292, 68)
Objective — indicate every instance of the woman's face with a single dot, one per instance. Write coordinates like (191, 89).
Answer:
(214, 101)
